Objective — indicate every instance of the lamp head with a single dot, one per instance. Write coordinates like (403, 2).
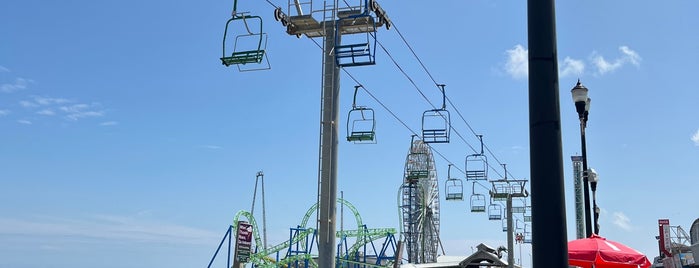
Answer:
(592, 175)
(580, 98)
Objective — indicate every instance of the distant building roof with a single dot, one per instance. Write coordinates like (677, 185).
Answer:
(485, 255)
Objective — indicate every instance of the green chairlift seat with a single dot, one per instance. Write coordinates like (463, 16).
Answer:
(361, 125)
(253, 52)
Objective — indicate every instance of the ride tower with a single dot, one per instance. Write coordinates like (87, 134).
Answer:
(578, 193)
(359, 21)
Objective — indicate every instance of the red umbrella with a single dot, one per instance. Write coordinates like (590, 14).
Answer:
(603, 253)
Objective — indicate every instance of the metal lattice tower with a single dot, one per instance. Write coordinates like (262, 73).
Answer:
(508, 189)
(578, 193)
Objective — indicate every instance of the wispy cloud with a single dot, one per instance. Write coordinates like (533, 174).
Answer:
(4, 112)
(107, 228)
(37, 101)
(695, 138)
(212, 147)
(3, 69)
(622, 221)
(69, 109)
(517, 65)
(109, 123)
(42, 100)
(47, 112)
(24, 122)
(81, 110)
(605, 66)
(19, 84)
(572, 67)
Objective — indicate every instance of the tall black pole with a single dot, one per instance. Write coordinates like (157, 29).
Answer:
(549, 240)
(586, 184)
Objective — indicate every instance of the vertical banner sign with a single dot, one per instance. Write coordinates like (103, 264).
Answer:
(243, 242)
(665, 240)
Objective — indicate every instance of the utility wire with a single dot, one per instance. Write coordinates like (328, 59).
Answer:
(405, 41)
(272, 4)
(431, 104)
(425, 97)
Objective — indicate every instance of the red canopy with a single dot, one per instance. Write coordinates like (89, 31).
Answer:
(604, 253)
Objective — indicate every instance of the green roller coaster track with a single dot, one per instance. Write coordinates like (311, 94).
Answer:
(362, 236)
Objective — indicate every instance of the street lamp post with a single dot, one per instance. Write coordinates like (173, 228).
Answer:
(593, 185)
(582, 106)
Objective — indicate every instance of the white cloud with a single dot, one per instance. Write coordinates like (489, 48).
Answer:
(3, 69)
(28, 104)
(630, 55)
(622, 221)
(24, 122)
(107, 228)
(19, 84)
(49, 101)
(4, 112)
(48, 112)
(109, 123)
(42, 101)
(81, 110)
(695, 138)
(76, 108)
(604, 66)
(517, 65)
(572, 67)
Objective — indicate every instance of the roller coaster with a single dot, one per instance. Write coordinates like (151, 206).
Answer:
(363, 247)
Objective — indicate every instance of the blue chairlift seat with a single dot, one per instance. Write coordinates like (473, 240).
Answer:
(356, 53)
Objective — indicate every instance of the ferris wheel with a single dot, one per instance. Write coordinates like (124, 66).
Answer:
(420, 204)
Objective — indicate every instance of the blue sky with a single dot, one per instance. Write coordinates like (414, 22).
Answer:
(125, 142)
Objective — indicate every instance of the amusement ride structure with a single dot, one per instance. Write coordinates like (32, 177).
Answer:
(420, 204)
(244, 45)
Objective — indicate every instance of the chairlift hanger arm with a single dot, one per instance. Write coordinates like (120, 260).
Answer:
(354, 99)
(444, 96)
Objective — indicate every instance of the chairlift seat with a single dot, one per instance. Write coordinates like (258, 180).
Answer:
(244, 57)
(494, 212)
(361, 125)
(518, 209)
(477, 203)
(455, 196)
(454, 189)
(354, 55)
(435, 126)
(476, 167)
(361, 136)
